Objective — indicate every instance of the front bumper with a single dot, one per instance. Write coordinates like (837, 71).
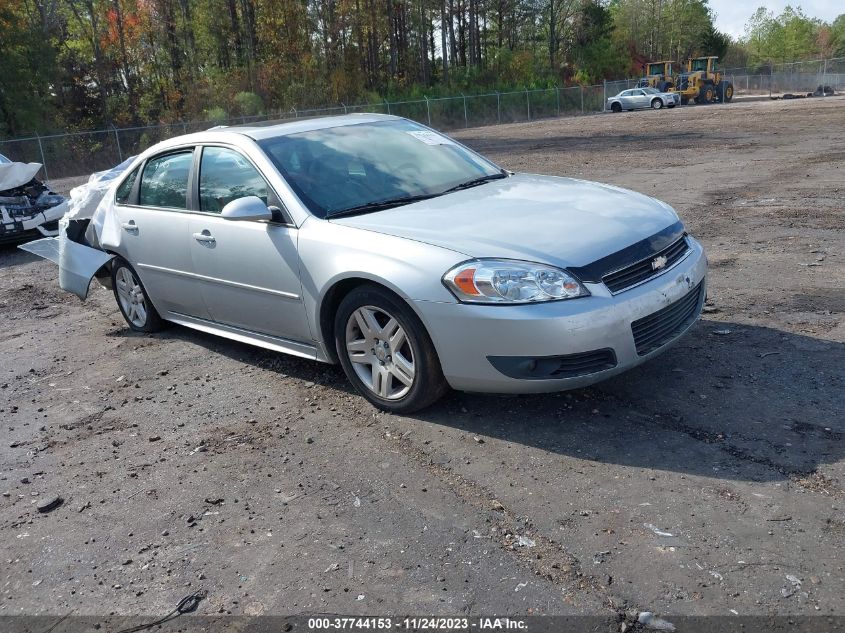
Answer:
(468, 336)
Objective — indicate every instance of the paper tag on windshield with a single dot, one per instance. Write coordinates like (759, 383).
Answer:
(431, 138)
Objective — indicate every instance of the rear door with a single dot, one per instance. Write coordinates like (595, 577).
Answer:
(641, 99)
(249, 269)
(151, 208)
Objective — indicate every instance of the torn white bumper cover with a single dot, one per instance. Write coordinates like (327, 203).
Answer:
(76, 249)
(26, 203)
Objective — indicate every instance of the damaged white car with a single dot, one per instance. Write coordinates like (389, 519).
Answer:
(28, 207)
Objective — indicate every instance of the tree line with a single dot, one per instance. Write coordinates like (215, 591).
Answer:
(81, 64)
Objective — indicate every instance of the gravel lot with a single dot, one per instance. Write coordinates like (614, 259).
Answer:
(709, 481)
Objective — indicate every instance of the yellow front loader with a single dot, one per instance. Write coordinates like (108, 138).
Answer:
(658, 75)
(703, 82)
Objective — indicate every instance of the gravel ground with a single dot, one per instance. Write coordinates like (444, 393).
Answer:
(708, 481)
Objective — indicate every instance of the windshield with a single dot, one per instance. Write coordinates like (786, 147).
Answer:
(700, 64)
(650, 91)
(347, 167)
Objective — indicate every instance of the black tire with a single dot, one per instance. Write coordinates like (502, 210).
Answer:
(656, 104)
(428, 384)
(137, 296)
(728, 92)
(616, 107)
(706, 94)
(684, 100)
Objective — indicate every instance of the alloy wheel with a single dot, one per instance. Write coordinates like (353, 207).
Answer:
(380, 352)
(131, 297)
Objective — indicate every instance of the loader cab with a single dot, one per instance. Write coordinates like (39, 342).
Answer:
(708, 65)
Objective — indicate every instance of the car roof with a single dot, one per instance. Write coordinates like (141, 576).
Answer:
(260, 132)
(235, 134)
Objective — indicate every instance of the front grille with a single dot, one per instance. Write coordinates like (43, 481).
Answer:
(643, 270)
(550, 367)
(660, 327)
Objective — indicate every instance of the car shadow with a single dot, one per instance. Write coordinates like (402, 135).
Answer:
(729, 400)
(11, 255)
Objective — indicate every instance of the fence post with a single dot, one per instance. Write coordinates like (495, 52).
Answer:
(387, 103)
(824, 78)
(427, 110)
(604, 95)
(117, 140)
(528, 103)
(43, 160)
(771, 77)
(295, 113)
(498, 107)
(466, 118)
(582, 98)
(557, 99)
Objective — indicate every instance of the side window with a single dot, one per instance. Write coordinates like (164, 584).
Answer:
(121, 196)
(165, 181)
(225, 175)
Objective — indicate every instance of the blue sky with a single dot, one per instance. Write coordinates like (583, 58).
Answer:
(731, 15)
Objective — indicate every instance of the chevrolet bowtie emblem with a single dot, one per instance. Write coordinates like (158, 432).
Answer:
(659, 262)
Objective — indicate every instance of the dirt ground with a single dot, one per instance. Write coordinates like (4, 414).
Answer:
(708, 481)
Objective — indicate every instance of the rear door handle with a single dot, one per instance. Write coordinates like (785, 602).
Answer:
(130, 226)
(205, 236)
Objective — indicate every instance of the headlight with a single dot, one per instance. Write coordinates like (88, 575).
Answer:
(511, 281)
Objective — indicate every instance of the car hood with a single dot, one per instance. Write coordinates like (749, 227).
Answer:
(558, 221)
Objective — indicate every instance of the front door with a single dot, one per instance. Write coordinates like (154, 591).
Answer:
(249, 270)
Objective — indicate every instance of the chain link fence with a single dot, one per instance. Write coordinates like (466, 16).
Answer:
(76, 154)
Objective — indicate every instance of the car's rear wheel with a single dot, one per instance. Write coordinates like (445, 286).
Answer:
(656, 104)
(132, 298)
(386, 352)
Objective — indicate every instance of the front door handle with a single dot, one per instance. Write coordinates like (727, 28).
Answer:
(205, 236)
(130, 226)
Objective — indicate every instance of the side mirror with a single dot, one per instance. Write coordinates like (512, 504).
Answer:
(247, 208)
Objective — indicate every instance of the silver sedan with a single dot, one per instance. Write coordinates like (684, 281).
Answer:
(637, 98)
(385, 246)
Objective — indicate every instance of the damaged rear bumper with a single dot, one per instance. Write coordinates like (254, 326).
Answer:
(78, 263)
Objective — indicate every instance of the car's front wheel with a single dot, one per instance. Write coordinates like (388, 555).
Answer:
(132, 299)
(656, 104)
(616, 107)
(386, 352)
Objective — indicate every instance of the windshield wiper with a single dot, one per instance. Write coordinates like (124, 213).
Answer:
(476, 181)
(380, 205)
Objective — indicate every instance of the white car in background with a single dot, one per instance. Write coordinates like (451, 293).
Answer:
(28, 207)
(639, 98)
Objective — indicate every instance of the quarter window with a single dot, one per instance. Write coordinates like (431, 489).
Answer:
(165, 181)
(121, 196)
(225, 175)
